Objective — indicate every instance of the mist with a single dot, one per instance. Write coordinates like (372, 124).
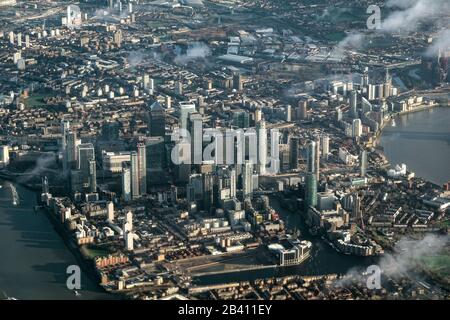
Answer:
(441, 41)
(404, 259)
(44, 164)
(196, 50)
(409, 14)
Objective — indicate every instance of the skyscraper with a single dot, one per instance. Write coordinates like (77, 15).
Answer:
(356, 128)
(317, 160)
(71, 149)
(311, 190)
(4, 155)
(185, 109)
(85, 153)
(262, 146)
(294, 146)
(353, 104)
(126, 181)
(157, 120)
(241, 119)
(311, 157)
(325, 146)
(302, 110)
(92, 176)
(134, 175)
(195, 124)
(86, 166)
(65, 127)
(142, 162)
(363, 162)
(247, 179)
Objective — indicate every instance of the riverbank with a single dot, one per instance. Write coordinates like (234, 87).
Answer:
(386, 121)
(421, 140)
(85, 264)
(34, 259)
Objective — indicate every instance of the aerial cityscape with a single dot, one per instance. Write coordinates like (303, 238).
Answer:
(225, 150)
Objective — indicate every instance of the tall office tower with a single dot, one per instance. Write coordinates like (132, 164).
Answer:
(195, 191)
(157, 120)
(134, 175)
(11, 37)
(168, 102)
(354, 104)
(4, 155)
(126, 181)
(238, 83)
(365, 78)
(208, 195)
(356, 128)
(195, 129)
(85, 153)
(363, 161)
(27, 41)
(294, 146)
(149, 84)
(379, 91)
(118, 38)
(92, 176)
(65, 127)
(128, 221)
(185, 109)
(338, 114)
(311, 190)
(130, 7)
(111, 4)
(76, 181)
(317, 153)
(142, 162)
(371, 92)
(262, 146)
(233, 178)
(71, 149)
(325, 146)
(128, 231)
(302, 110)
(19, 39)
(241, 119)
(365, 105)
(288, 113)
(178, 88)
(357, 210)
(110, 211)
(247, 179)
(258, 115)
(311, 157)
(156, 160)
(110, 131)
(129, 241)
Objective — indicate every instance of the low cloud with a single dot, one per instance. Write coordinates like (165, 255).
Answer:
(440, 42)
(197, 50)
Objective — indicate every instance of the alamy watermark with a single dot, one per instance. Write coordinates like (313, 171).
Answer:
(74, 279)
(373, 281)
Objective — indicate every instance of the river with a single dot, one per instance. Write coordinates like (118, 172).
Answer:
(324, 259)
(421, 140)
(34, 258)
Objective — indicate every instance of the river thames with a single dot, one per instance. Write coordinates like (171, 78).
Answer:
(421, 140)
(34, 258)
